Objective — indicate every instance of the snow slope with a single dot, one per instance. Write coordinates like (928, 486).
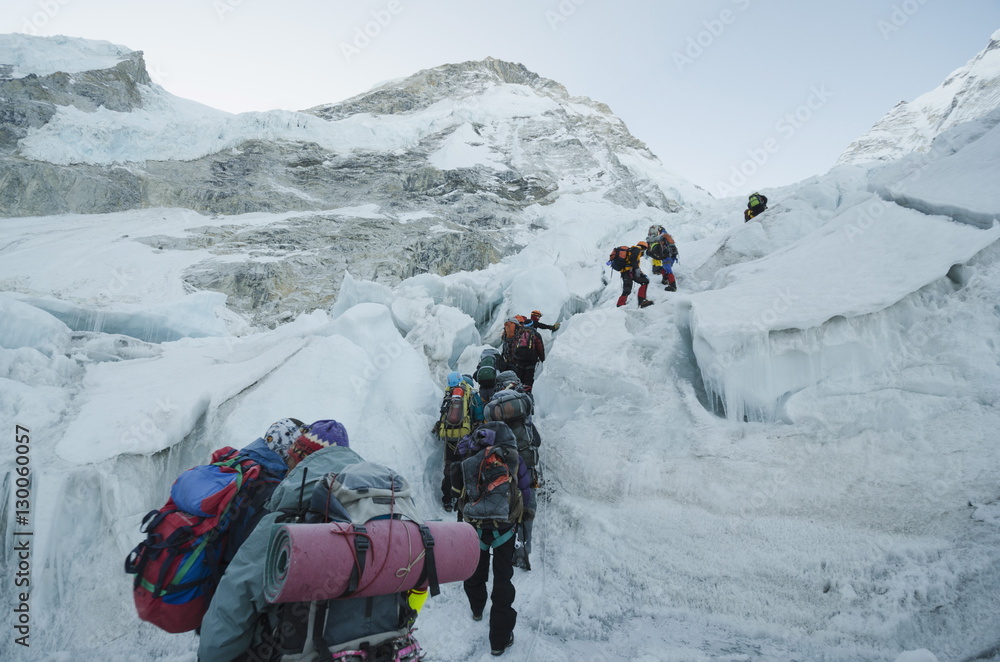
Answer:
(835, 525)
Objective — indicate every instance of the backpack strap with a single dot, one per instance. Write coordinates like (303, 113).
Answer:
(430, 566)
(319, 628)
(498, 538)
(361, 547)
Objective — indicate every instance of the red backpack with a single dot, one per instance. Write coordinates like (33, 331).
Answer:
(187, 545)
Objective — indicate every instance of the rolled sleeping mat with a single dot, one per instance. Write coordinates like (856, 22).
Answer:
(307, 562)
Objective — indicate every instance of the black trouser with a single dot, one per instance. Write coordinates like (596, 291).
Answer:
(503, 616)
(638, 277)
(526, 373)
(628, 276)
(449, 456)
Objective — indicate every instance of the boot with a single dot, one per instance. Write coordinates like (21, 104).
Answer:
(671, 287)
(644, 303)
(622, 299)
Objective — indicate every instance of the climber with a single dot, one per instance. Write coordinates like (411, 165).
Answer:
(755, 205)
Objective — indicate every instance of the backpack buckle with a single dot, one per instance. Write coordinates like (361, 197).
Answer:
(361, 541)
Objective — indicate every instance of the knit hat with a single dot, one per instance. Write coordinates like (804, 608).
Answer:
(316, 436)
(282, 434)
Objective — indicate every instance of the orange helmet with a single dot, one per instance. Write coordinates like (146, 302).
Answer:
(643, 245)
(536, 314)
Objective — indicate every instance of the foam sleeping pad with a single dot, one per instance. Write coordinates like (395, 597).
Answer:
(308, 562)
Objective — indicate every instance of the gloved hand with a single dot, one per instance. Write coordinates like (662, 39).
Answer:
(555, 327)
(528, 515)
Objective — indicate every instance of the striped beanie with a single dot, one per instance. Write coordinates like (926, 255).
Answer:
(316, 436)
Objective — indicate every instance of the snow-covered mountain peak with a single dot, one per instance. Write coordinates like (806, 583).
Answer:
(429, 86)
(967, 94)
(483, 92)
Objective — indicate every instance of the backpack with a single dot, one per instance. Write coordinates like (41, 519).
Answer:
(377, 628)
(509, 405)
(486, 371)
(510, 328)
(191, 539)
(619, 258)
(656, 251)
(513, 409)
(757, 200)
(455, 420)
(524, 346)
(508, 379)
(627, 257)
(490, 492)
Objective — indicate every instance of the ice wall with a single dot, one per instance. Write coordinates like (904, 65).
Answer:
(194, 316)
(778, 324)
(118, 430)
(956, 176)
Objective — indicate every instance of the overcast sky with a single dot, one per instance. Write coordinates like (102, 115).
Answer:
(705, 84)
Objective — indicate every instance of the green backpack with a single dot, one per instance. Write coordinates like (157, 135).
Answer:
(486, 373)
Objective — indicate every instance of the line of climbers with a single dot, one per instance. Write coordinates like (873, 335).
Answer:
(212, 559)
(220, 558)
(661, 248)
(491, 470)
(295, 548)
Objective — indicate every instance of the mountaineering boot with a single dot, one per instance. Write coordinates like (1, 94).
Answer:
(645, 302)
(622, 299)
(672, 287)
(501, 651)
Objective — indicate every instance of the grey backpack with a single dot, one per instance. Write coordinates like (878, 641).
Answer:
(490, 491)
(357, 494)
(515, 408)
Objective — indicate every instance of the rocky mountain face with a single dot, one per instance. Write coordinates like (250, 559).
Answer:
(30, 188)
(967, 94)
(571, 144)
(459, 152)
